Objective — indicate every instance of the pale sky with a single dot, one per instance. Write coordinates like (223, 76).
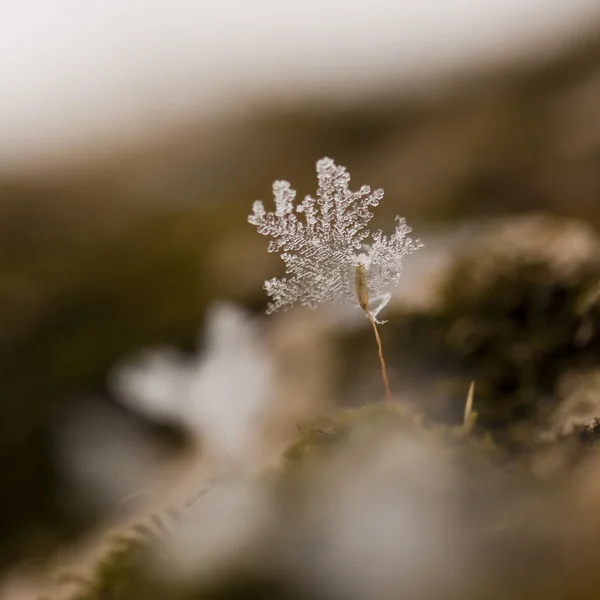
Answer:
(75, 75)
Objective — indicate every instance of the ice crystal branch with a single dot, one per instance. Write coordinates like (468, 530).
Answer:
(323, 240)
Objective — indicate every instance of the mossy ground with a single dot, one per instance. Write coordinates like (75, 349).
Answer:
(513, 514)
(326, 435)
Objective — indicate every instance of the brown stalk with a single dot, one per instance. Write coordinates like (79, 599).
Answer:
(362, 293)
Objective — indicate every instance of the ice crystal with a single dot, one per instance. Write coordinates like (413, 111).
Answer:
(324, 246)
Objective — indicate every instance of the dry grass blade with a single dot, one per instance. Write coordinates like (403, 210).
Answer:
(469, 416)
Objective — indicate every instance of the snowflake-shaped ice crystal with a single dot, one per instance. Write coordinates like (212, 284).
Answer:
(325, 251)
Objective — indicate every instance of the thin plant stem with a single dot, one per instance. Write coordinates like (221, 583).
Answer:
(362, 295)
(384, 375)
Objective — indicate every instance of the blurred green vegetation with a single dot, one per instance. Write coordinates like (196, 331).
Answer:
(520, 307)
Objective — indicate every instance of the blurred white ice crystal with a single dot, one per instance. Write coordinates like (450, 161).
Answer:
(219, 395)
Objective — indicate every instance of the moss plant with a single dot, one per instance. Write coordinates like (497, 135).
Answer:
(323, 437)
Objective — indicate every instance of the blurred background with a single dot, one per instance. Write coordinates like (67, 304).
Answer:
(135, 358)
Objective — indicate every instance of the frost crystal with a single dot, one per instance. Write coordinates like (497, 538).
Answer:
(323, 250)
